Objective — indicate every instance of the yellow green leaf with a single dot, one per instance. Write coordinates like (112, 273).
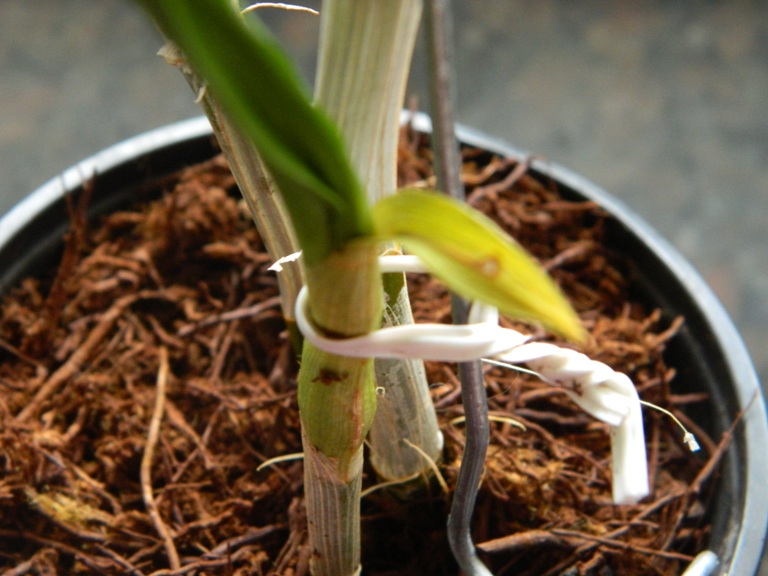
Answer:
(475, 258)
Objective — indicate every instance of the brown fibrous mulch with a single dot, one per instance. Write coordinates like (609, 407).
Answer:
(145, 381)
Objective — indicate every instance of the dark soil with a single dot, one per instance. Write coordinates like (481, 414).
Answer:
(80, 371)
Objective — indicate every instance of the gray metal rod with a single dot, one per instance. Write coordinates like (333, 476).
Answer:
(448, 169)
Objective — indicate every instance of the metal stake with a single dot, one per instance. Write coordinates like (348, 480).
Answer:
(448, 170)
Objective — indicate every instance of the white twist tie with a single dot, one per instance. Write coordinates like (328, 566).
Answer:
(607, 395)
(599, 390)
(442, 342)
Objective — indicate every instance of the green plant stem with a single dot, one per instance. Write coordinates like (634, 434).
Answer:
(337, 402)
(365, 55)
(333, 510)
(366, 48)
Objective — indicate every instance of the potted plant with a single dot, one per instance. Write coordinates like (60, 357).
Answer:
(315, 170)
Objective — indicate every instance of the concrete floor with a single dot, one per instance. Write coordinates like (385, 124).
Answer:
(662, 103)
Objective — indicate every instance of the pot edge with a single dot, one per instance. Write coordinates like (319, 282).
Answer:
(755, 423)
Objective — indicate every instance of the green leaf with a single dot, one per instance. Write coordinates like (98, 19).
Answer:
(475, 258)
(259, 88)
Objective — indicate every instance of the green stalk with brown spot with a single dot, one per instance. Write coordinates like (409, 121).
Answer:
(366, 48)
(337, 403)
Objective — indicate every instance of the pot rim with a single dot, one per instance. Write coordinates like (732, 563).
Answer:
(748, 392)
(22, 213)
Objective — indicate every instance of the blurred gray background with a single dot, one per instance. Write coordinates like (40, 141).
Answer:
(664, 104)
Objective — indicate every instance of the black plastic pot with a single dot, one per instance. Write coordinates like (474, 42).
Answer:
(708, 354)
